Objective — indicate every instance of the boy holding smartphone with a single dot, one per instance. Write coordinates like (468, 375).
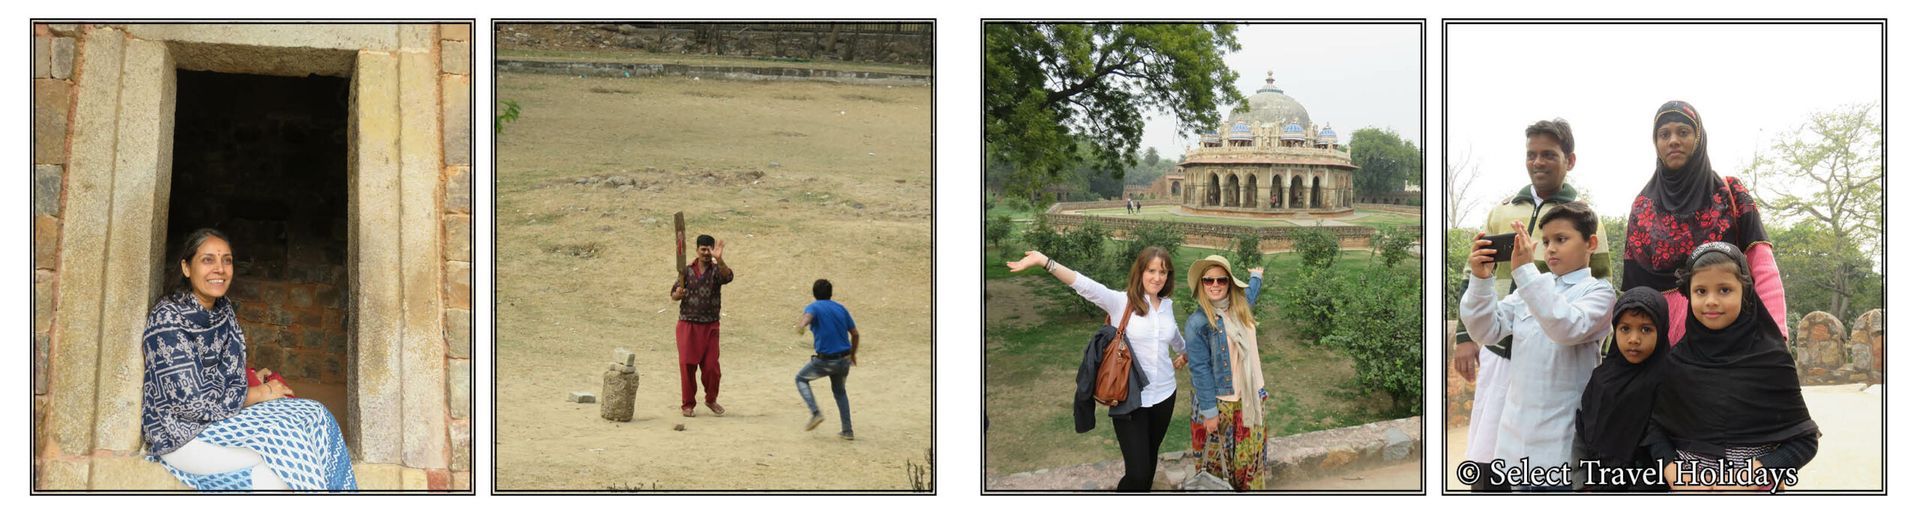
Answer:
(1555, 321)
(1549, 157)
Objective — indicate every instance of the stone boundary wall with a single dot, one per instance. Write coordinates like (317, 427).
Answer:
(1272, 239)
(1402, 209)
(1400, 199)
(1291, 458)
(629, 70)
(881, 42)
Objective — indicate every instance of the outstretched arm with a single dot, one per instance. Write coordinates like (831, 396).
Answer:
(805, 319)
(1254, 278)
(1035, 258)
(1111, 301)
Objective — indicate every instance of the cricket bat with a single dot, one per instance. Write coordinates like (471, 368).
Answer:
(680, 249)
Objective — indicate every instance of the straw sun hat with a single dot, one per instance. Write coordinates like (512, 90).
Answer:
(1199, 268)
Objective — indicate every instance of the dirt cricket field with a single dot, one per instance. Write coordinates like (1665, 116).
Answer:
(801, 180)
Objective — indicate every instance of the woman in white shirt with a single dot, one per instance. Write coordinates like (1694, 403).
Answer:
(1152, 334)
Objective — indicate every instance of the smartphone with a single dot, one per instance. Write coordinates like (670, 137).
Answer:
(1502, 247)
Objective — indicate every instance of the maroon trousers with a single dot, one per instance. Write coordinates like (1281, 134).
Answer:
(699, 345)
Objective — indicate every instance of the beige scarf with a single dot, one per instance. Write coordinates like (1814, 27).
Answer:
(1245, 357)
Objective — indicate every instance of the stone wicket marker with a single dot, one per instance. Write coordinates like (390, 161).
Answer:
(620, 385)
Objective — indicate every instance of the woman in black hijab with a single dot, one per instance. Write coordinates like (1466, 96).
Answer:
(1730, 396)
(1686, 204)
(1611, 428)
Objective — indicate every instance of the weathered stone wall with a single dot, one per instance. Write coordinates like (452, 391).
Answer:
(896, 43)
(1215, 235)
(629, 70)
(104, 139)
(54, 52)
(1394, 198)
(1826, 353)
(456, 216)
(1290, 458)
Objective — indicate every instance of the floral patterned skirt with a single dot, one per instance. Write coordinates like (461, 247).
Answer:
(1235, 452)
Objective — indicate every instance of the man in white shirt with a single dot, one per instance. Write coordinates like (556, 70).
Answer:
(1556, 321)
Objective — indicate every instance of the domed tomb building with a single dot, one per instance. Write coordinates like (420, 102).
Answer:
(1269, 158)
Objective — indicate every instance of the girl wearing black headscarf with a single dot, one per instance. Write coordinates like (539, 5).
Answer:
(1730, 396)
(1611, 428)
(1686, 205)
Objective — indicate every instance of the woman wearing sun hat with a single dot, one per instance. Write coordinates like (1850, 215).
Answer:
(1229, 431)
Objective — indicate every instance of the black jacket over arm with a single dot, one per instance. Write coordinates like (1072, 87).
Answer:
(1089, 368)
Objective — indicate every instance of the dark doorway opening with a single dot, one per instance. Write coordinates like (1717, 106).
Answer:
(264, 159)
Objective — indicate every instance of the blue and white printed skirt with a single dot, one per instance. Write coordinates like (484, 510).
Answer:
(298, 438)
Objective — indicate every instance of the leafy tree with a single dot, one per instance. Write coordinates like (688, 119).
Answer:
(1317, 247)
(1386, 162)
(1054, 88)
(1828, 171)
(1247, 254)
(1309, 295)
(1391, 245)
(1376, 324)
(998, 228)
(1083, 249)
(1616, 229)
(1310, 299)
(1453, 270)
(1808, 268)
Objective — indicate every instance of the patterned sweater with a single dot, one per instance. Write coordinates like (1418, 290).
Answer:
(702, 304)
(196, 361)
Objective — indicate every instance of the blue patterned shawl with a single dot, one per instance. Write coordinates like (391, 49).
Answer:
(196, 361)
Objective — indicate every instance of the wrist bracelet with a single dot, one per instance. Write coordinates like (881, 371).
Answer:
(1049, 265)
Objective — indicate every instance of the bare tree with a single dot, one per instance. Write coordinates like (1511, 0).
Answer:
(1461, 175)
(1828, 170)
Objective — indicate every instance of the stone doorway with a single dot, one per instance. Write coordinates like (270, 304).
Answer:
(264, 160)
(336, 178)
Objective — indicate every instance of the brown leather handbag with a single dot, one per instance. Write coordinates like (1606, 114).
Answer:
(1116, 367)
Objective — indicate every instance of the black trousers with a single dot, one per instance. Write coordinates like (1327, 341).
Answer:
(1139, 434)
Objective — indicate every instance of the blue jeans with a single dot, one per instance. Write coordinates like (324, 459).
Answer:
(836, 370)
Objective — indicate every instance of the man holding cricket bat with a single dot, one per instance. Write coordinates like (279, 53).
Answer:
(698, 333)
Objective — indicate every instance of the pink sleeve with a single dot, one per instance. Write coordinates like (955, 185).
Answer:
(1677, 312)
(1766, 282)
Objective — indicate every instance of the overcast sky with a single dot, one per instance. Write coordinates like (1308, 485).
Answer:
(1353, 76)
(1751, 83)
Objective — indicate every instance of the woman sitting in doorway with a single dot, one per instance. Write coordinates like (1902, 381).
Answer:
(201, 419)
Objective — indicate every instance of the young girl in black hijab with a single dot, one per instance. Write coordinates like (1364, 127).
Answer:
(1730, 400)
(1611, 429)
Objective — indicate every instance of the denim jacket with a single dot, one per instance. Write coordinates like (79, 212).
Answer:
(1210, 363)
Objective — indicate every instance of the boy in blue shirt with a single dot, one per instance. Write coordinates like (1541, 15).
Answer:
(835, 345)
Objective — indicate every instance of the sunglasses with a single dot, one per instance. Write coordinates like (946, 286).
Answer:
(1216, 281)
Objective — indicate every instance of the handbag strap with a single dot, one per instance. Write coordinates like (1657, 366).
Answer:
(1125, 316)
